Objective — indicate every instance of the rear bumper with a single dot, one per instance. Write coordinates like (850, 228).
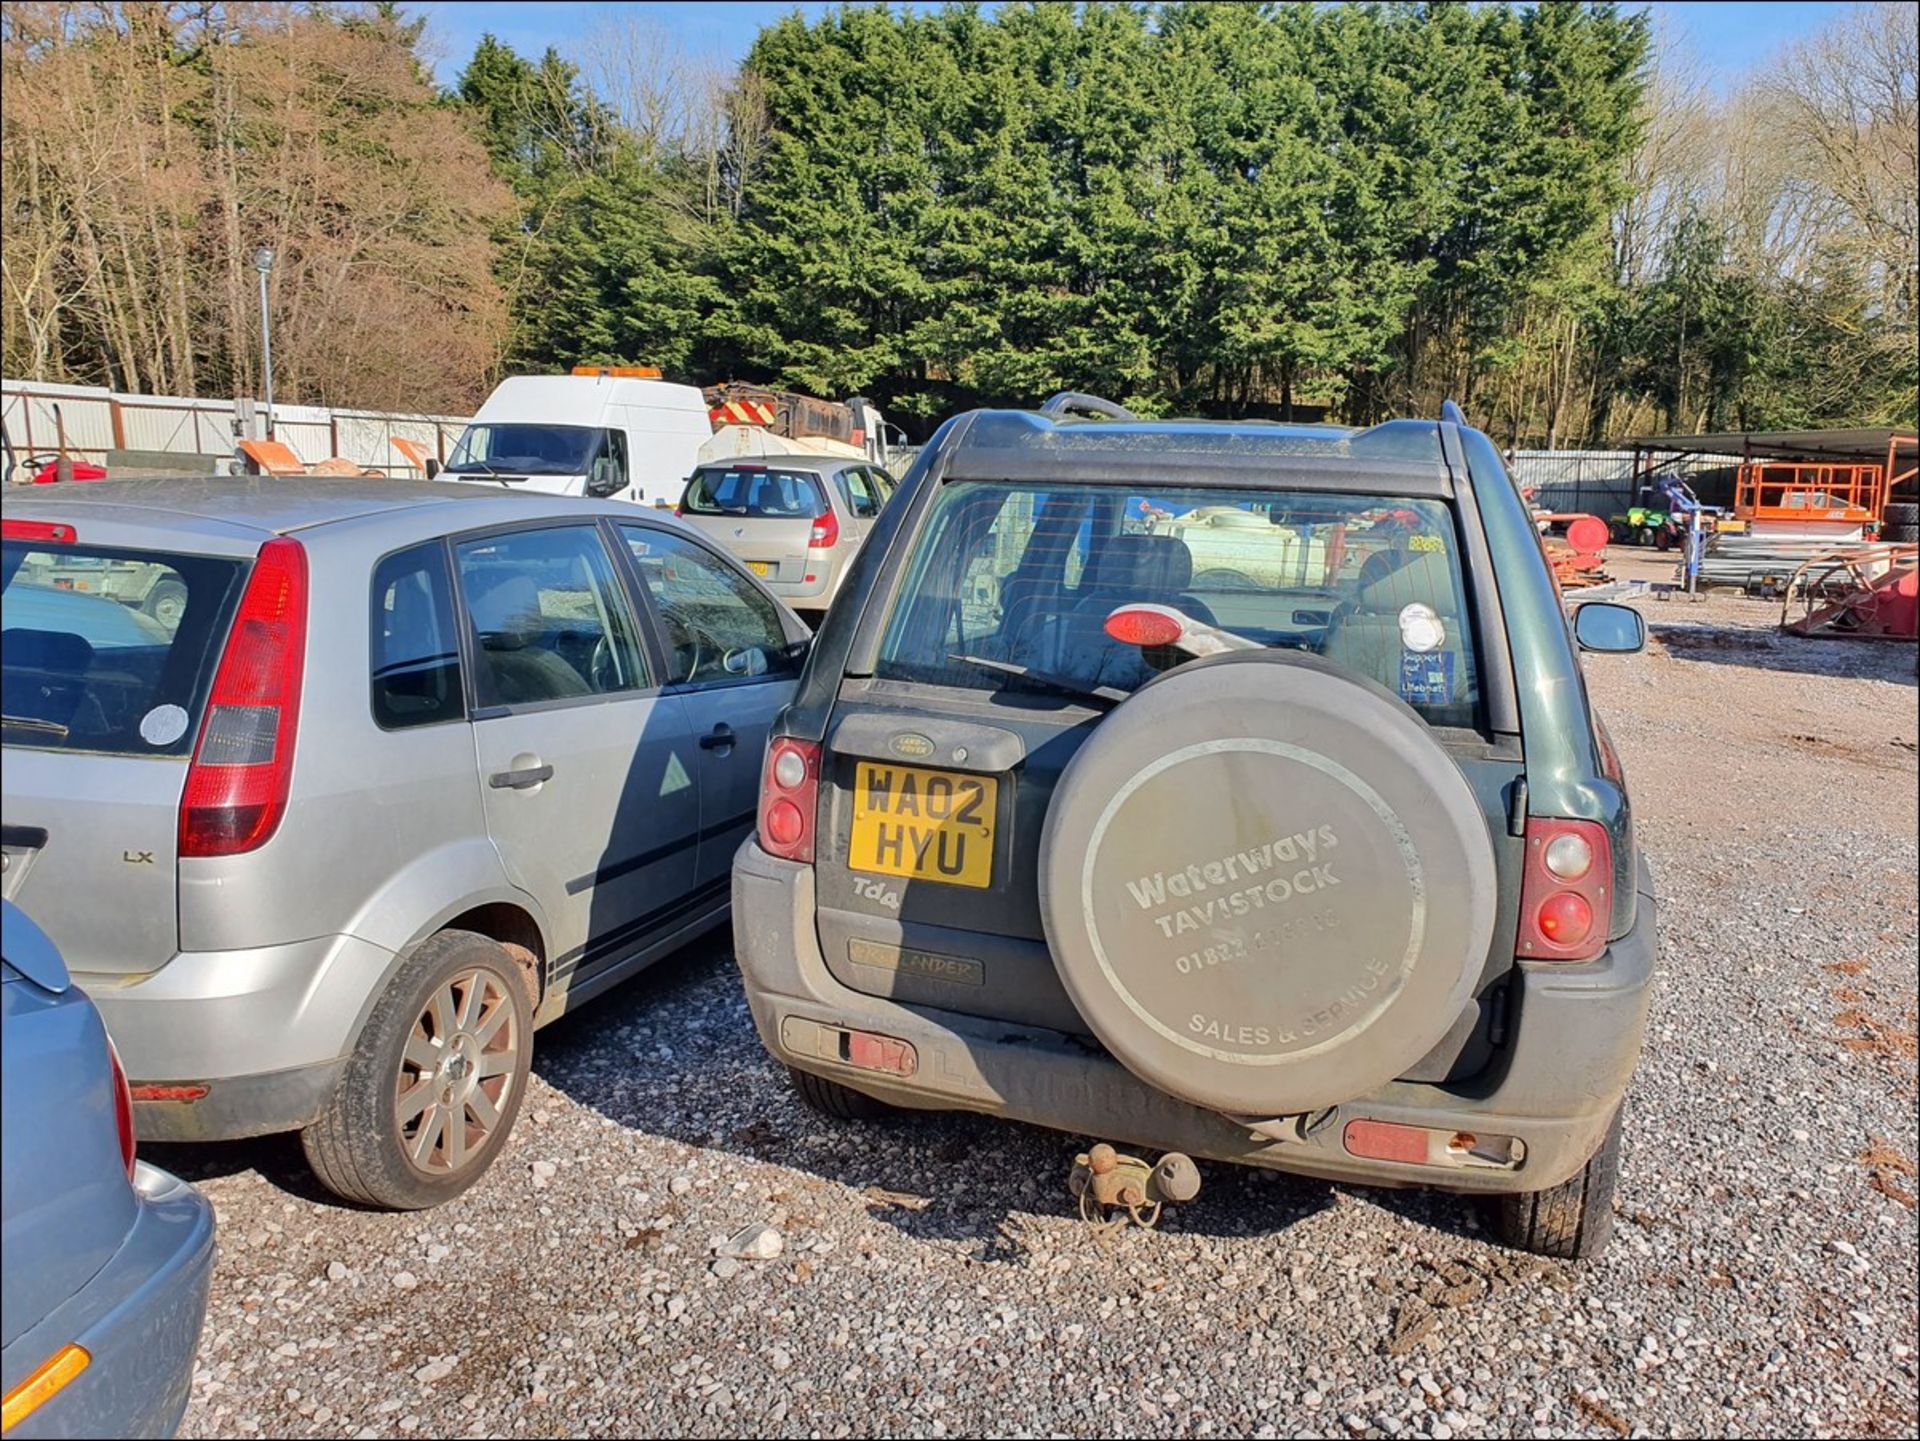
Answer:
(266, 1031)
(139, 1320)
(1573, 1041)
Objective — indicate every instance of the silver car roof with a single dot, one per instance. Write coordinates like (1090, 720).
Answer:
(270, 506)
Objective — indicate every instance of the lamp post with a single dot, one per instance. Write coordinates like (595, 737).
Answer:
(263, 262)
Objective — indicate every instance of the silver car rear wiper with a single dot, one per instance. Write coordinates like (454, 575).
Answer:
(1109, 695)
(34, 723)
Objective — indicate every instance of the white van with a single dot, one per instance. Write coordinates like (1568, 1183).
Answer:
(609, 432)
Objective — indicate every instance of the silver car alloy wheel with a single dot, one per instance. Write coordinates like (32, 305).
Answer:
(456, 1071)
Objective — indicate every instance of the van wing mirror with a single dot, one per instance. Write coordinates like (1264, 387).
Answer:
(433, 468)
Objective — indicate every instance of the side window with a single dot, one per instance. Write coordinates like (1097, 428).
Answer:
(550, 621)
(862, 499)
(719, 626)
(607, 472)
(415, 656)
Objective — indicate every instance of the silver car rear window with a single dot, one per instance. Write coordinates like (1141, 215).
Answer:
(108, 650)
(755, 490)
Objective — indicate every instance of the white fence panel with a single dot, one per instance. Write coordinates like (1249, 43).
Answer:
(95, 421)
(179, 427)
(85, 418)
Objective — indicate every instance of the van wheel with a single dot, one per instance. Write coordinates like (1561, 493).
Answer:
(167, 603)
(435, 1082)
(1573, 1220)
(830, 1098)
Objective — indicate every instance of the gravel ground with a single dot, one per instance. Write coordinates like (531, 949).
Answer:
(932, 1279)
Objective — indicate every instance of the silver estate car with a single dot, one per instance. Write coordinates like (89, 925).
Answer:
(796, 521)
(419, 769)
(108, 1258)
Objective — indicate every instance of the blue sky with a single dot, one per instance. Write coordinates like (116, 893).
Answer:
(1730, 38)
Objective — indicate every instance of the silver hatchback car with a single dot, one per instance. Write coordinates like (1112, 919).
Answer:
(418, 769)
(796, 521)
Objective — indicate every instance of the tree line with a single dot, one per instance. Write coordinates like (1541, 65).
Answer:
(1280, 210)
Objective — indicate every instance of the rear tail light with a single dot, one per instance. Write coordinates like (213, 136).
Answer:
(237, 786)
(122, 1108)
(789, 797)
(54, 532)
(825, 534)
(1565, 898)
(1145, 625)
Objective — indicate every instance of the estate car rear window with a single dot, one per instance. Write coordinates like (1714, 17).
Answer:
(1010, 586)
(108, 650)
(756, 491)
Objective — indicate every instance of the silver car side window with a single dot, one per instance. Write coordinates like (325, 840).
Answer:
(708, 610)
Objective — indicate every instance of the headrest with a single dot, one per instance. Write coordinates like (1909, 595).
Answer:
(58, 651)
(1147, 565)
(507, 613)
(1426, 576)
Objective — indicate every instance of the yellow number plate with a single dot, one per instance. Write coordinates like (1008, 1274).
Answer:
(760, 567)
(926, 825)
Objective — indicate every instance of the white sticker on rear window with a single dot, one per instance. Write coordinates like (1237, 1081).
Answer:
(163, 725)
(1421, 629)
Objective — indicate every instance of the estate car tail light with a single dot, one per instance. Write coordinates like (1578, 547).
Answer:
(54, 532)
(825, 534)
(122, 1107)
(1564, 895)
(789, 796)
(237, 786)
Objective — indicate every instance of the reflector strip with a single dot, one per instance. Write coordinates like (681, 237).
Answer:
(1384, 1141)
(43, 1385)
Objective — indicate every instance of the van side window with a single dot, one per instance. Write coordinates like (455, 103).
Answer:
(607, 472)
(416, 658)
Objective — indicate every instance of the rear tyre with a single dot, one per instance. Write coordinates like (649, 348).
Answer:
(432, 1089)
(830, 1098)
(1573, 1220)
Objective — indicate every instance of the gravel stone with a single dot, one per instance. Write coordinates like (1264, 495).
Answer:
(949, 1288)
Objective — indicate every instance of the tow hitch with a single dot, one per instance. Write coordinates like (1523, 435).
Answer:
(1104, 1181)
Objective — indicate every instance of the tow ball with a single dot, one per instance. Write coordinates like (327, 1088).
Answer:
(1106, 1182)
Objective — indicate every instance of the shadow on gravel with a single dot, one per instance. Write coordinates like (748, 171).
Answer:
(1798, 655)
(673, 1054)
(277, 1159)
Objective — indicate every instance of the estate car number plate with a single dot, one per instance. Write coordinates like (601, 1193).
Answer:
(925, 825)
(760, 567)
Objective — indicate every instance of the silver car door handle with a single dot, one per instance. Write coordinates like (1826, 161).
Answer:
(519, 780)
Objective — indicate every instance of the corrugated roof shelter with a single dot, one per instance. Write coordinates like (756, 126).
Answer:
(1865, 445)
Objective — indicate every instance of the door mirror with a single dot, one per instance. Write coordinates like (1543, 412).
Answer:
(433, 467)
(747, 661)
(1609, 629)
(603, 479)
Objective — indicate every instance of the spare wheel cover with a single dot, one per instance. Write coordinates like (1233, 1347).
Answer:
(1265, 885)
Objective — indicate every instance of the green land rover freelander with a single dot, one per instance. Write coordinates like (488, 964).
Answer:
(1223, 789)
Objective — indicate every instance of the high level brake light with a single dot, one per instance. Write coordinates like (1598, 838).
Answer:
(236, 789)
(1564, 893)
(789, 798)
(54, 532)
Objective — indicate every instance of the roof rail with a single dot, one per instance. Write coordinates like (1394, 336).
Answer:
(1074, 402)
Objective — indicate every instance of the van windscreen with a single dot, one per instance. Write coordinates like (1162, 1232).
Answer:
(755, 491)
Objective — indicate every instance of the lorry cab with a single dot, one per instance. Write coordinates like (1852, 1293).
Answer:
(609, 433)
